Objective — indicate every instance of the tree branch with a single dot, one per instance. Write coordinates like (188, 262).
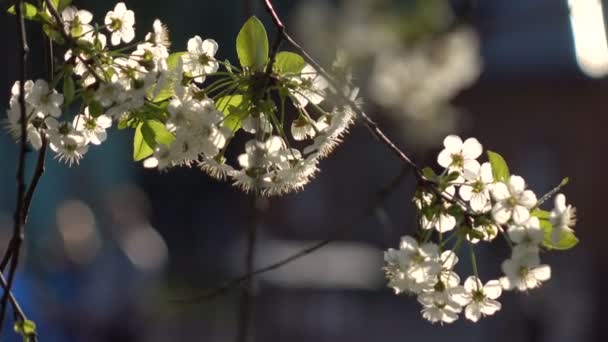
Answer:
(367, 121)
(14, 247)
(381, 196)
(247, 299)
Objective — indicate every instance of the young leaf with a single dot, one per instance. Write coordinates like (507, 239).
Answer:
(25, 328)
(252, 44)
(235, 108)
(429, 174)
(288, 63)
(166, 88)
(141, 148)
(95, 109)
(29, 11)
(68, 90)
(60, 5)
(159, 132)
(541, 214)
(500, 170)
(54, 35)
(568, 239)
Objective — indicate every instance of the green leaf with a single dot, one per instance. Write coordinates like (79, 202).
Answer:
(53, 34)
(568, 239)
(541, 214)
(68, 90)
(60, 5)
(29, 11)
(148, 134)
(252, 44)
(288, 63)
(235, 108)
(95, 109)
(25, 328)
(141, 148)
(159, 132)
(500, 170)
(166, 89)
(429, 174)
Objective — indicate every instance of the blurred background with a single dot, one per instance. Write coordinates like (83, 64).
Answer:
(113, 247)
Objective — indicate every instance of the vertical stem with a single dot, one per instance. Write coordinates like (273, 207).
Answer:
(14, 247)
(247, 299)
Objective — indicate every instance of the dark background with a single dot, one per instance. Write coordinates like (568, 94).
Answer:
(152, 238)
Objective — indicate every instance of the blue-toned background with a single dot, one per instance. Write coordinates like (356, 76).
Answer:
(110, 245)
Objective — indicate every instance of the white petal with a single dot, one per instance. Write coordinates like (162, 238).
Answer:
(500, 191)
(516, 184)
(449, 259)
(120, 8)
(128, 35)
(486, 173)
(542, 272)
(209, 47)
(471, 148)
(517, 233)
(115, 39)
(472, 284)
(560, 202)
(528, 199)
(408, 243)
(470, 168)
(445, 223)
(520, 214)
(478, 201)
(444, 158)
(489, 307)
(472, 312)
(492, 289)
(85, 16)
(453, 143)
(466, 192)
(501, 212)
(151, 162)
(195, 45)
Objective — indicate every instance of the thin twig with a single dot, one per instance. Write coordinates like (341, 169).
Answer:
(381, 196)
(247, 298)
(14, 247)
(367, 121)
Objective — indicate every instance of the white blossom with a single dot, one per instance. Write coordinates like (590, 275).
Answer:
(159, 35)
(476, 190)
(92, 128)
(481, 298)
(310, 87)
(413, 267)
(523, 270)
(200, 60)
(44, 100)
(513, 201)
(460, 156)
(120, 23)
(562, 217)
(77, 22)
(529, 233)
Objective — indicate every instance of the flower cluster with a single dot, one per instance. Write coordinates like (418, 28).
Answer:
(409, 50)
(187, 106)
(471, 202)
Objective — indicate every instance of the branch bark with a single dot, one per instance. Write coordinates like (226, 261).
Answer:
(381, 196)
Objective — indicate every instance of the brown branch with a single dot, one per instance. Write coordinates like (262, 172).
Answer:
(14, 247)
(247, 298)
(24, 194)
(381, 196)
(367, 121)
